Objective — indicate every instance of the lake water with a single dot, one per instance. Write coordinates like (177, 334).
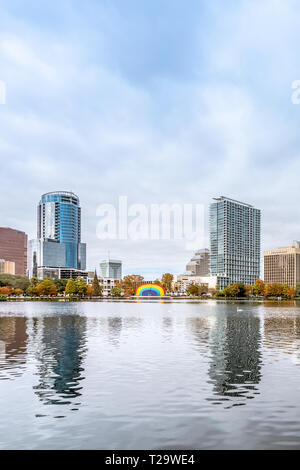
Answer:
(149, 375)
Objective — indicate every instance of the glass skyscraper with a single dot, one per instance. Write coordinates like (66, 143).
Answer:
(111, 269)
(235, 238)
(58, 243)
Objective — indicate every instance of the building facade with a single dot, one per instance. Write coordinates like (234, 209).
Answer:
(199, 264)
(235, 240)
(7, 267)
(111, 269)
(183, 281)
(107, 283)
(13, 247)
(283, 265)
(58, 243)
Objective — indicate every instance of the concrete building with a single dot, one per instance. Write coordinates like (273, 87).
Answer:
(283, 265)
(183, 281)
(7, 267)
(111, 269)
(13, 247)
(107, 283)
(235, 239)
(199, 265)
(57, 248)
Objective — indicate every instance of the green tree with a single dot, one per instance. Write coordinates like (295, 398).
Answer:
(70, 287)
(80, 286)
(60, 285)
(116, 292)
(259, 288)
(193, 290)
(242, 289)
(96, 286)
(297, 291)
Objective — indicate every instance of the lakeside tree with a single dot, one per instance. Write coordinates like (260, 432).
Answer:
(167, 281)
(131, 283)
(192, 290)
(32, 291)
(70, 287)
(268, 290)
(6, 290)
(116, 292)
(80, 286)
(89, 291)
(291, 293)
(60, 285)
(249, 290)
(18, 292)
(259, 287)
(96, 286)
(46, 287)
(14, 281)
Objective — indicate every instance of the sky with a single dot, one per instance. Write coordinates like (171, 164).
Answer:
(165, 101)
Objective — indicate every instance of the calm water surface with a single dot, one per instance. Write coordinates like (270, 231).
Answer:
(152, 375)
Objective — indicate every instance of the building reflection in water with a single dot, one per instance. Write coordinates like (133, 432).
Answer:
(60, 353)
(235, 367)
(13, 346)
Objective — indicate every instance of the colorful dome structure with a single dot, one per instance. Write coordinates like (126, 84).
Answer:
(150, 290)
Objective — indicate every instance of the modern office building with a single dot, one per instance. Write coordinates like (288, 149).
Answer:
(283, 265)
(57, 248)
(199, 264)
(111, 269)
(7, 267)
(235, 238)
(13, 247)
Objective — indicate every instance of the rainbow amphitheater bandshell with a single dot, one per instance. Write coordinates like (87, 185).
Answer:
(150, 290)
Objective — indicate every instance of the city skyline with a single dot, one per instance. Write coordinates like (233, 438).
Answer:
(177, 119)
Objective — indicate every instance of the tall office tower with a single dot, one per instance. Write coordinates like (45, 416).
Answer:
(58, 245)
(235, 237)
(283, 265)
(13, 247)
(111, 269)
(199, 264)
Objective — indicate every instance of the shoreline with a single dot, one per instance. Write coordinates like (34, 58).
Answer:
(149, 299)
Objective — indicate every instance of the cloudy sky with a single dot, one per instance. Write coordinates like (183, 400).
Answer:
(167, 101)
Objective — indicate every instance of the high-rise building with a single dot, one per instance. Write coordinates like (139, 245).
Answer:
(235, 237)
(58, 243)
(283, 265)
(199, 264)
(111, 269)
(7, 267)
(13, 247)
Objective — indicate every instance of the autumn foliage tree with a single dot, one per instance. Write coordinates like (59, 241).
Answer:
(46, 287)
(6, 290)
(167, 281)
(259, 287)
(131, 283)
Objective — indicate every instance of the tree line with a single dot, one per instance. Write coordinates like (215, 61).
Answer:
(259, 289)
